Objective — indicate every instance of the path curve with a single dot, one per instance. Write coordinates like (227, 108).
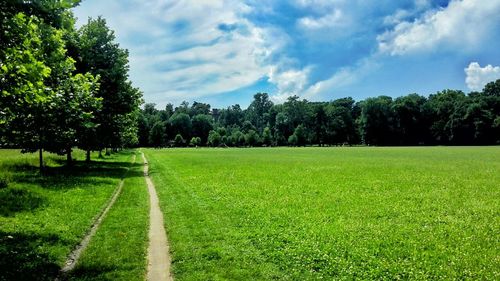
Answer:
(158, 251)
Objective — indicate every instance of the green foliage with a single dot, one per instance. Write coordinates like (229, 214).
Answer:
(179, 123)
(157, 134)
(267, 138)
(195, 142)
(179, 140)
(201, 126)
(251, 138)
(214, 138)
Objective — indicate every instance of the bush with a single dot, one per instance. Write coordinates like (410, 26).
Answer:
(179, 140)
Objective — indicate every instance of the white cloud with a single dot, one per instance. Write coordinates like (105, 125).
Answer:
(462, 24)
(477, 77)
(289, 82)
(341, 79)
(185, 54)
(332, 19)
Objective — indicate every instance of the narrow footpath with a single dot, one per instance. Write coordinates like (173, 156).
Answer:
(73, 257)
(158, 251)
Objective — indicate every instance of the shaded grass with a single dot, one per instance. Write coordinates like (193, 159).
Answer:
(331, 213)
(118, 250)
(43, 217)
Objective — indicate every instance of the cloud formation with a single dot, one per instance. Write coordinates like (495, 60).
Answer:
(461, 24)
(477, 77)
(318, 49)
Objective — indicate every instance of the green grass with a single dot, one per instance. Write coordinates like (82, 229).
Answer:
(331, 213)
(42, 218)
(119, 248)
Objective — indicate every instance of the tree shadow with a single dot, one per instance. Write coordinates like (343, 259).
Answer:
(21, 254)
(21, 257)
(14, 200)
(93, 272)
(80, 173)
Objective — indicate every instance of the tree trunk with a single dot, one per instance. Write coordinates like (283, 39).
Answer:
(69, 159)
(87, 158)
(40, 158)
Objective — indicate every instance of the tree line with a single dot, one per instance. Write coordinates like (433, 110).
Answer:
(448, 117)
(62, 87)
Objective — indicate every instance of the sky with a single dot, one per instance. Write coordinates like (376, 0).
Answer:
(224, 51)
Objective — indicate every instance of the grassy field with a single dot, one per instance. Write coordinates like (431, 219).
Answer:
(331, 213)
(118, 250)
(42, 218)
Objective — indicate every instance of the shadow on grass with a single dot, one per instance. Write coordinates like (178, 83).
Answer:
(21, 256)
(18, 200)
(92, 273)
(21, 260)
(76, 175)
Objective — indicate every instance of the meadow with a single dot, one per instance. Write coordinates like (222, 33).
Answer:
(43, 217)
(331, 213)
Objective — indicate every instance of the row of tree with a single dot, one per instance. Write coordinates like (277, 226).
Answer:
(62, 87)
(449, 117)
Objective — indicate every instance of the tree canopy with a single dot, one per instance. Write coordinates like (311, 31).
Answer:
(61, 87)
(448, 117)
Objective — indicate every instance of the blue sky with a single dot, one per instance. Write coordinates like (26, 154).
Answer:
(223, 52)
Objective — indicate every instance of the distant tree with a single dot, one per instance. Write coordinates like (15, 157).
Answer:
(201, 126)
(247, 126)
(442, 109)
(214, 139)
(292, 140)
(157, 136)
(199, 108)
(300, 134)
(180, 123)
(195, 142)
(377, 121)
(179, 140)
(411, 126)
(267, 138)
(258, 111)
(251, 138)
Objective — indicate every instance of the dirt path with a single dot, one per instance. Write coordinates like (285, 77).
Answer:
(158, 251)
(75, 254)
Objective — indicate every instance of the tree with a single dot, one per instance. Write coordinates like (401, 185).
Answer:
(251, 138)
(214, 138)
(410, 124)
(267, 138)
(299, 136)
(179, 140)
(257, 112)
(377, 121)
(201, 126)
(99, 54)
(195, 141)
(157, 136)
(180, 123)
(443, 116)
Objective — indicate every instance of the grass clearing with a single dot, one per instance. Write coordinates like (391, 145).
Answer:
(43, 217)
(331, 213)
(118, 250)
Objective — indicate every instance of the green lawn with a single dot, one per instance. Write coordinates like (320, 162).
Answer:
(118, 251)
(331, 213)
(42, 218)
